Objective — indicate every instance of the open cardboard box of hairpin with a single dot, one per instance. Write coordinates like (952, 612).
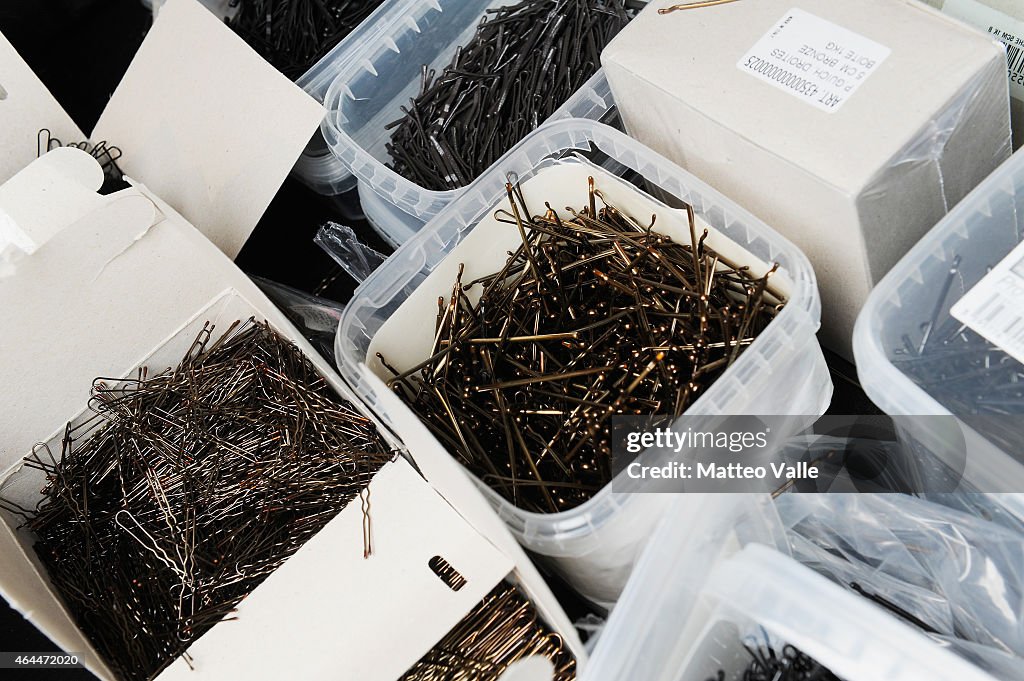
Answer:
(67, 297)
(124, 285)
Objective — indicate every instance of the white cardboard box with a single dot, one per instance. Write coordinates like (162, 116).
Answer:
(129, 283)
(850, 127)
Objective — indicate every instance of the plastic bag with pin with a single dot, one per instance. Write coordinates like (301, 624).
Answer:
(958, 577)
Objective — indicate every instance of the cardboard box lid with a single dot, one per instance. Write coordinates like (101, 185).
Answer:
(693, 54)
(200, 117)
(368, 619)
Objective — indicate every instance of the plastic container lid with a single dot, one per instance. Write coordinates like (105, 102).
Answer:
(783, 371)
(383, 72)
(980, 231)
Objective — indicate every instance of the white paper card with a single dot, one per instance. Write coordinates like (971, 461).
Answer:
(994, 307)
(208, 124)
(1003, 28)
(816, 61)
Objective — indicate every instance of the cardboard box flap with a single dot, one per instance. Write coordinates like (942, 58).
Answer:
(25, 107)
(200, 117)
(116, 283)
(695, 55)
(68, 179)
(446, 474)
(208, 124)
(367, 619)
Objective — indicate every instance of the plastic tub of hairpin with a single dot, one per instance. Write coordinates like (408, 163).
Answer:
(941, 335)
(440, 561)
(381, 75)
(724, 595)
(758, 614)
(595, 542)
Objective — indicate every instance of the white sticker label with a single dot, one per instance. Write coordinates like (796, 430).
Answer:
(994, 307)
(1000, 26)
(813, 59)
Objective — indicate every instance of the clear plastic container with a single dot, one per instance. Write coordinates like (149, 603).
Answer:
(381, 75)
(318, 168)
(690, 605)
(979, 231)
(639, 641)
(396, 226)
(783, 372)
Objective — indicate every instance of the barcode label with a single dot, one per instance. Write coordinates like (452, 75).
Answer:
(1014, 60)
(1004, 28)
(994, 307)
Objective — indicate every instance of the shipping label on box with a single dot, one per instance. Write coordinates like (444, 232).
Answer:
(814, 60)
(994, 307)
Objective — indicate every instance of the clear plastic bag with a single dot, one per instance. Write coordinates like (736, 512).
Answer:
(955, 575)
(1005, 510)
(316, 318)
(343, 245)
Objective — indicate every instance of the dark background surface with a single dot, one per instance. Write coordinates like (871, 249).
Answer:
(80, 49)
